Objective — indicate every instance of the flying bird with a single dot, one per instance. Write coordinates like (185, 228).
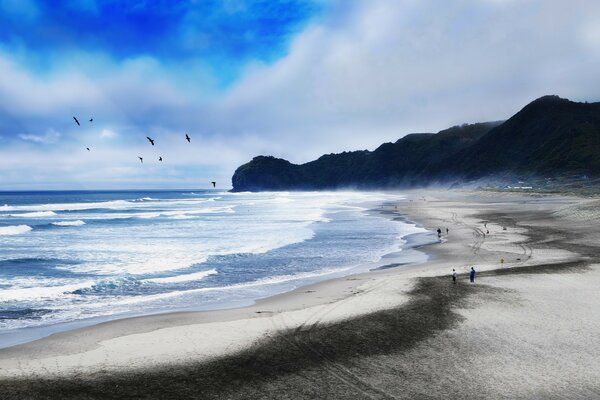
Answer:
(214, 183)
(187, 138)
(159, 158)
(88, 149)
(91, 119)
(77, 121)
(141, 159)
(150, 140)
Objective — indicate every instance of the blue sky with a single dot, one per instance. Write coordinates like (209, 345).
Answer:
(223, 34)
(285, 77)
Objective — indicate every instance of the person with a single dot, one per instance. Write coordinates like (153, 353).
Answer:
(487, 231)
(502, 261)
(439, 231)
(472, 275)
(447, 230)
(453, 275)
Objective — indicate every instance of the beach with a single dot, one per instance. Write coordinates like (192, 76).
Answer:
(529, 327)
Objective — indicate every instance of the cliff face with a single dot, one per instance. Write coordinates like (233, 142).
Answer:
(549, 136)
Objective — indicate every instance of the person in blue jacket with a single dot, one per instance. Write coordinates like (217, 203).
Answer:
(472, 275)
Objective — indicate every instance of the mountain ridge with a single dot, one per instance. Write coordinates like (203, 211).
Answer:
(549, 136)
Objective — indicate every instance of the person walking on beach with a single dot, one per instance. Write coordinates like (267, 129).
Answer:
(472, 275)
(447, 230)
(439, 231)
(453, 275)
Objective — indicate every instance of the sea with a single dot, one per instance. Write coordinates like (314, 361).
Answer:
(74, 258)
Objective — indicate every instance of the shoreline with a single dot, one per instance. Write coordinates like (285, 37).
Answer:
(24, 336)
(333, 338)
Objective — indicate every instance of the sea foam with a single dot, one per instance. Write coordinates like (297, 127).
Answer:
(184, 278)
(69, 223)
(14, 230)
(34, 214)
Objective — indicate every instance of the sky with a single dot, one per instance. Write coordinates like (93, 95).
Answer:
(289, 78)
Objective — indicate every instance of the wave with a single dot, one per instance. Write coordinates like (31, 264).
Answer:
(146, 199)
(176, 214)
(184, 278)
(143, 202)
(183, 216)
(146, 215)
(125, 285)
(69, 223)
(35, 214)
(257, 283)
(208, 210)
(29, 313)
(282, 279)
(114, 204)
(14, 230)
(40, 292)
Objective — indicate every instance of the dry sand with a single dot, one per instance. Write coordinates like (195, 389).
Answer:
(528, 328)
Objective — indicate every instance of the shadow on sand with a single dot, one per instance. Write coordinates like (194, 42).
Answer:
(314, 361)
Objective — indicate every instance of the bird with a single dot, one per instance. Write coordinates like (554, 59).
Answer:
(214, 184)
(187, 138)
(150, 140)
(141, 159)
(91, 119)
(88, 149)
(77, 121)
(159, 158)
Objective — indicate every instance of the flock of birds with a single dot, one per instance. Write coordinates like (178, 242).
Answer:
(187, 137)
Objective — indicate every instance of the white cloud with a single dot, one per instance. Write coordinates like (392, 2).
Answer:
(51, 136)
(370, 72)
(390, 68)
(108, 134)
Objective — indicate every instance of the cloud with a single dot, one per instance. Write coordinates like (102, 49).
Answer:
(108, 134)
(385, 69)
(361, 74)
(51, 136)
(224, 34)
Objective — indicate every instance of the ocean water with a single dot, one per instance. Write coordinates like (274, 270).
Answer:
(90, 256)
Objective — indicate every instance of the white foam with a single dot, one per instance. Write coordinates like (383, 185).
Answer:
(14, 230)
(41, 292)
(183, 216)
(34, 214)
(133, 259)
(146, 215)
(111, 205)
(115, 204)
(208, 210)
(184, 278)
(69, 223)
(239, 286)
(255, 223)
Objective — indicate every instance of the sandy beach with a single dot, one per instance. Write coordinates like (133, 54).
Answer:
(529, 327)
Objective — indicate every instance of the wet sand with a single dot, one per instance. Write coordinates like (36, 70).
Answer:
(528, 328)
